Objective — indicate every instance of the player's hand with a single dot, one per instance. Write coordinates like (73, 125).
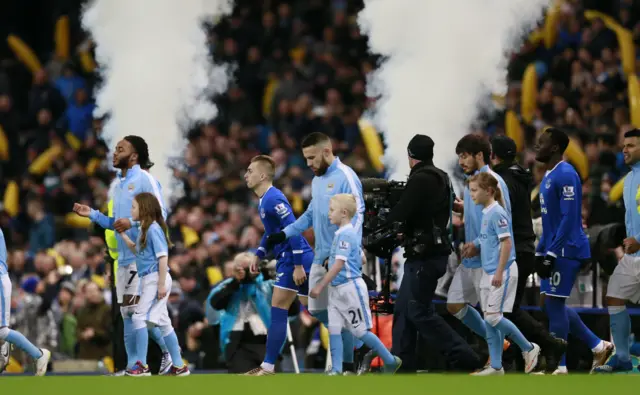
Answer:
(631, 245)
(316, 291)
(276, 238)
(497, 279)
(544, 265)
(122, 225)
(458, 205)
(469, 250)
(299, 276)
(162, 291)
(81, 210)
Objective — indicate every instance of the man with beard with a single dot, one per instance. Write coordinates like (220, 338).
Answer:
(519, 182)
(131, 156)
(331, 178)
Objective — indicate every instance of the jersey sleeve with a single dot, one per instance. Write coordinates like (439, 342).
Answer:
(344, 246)
(301, 224)
(500, 225)
(565, 189)
(282, 210)
(157, 240)
(105, 222)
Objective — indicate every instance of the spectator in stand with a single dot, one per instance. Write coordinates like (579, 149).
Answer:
(94, 325)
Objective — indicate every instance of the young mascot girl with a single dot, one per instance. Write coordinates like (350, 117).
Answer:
(152, 257)
(500, 276)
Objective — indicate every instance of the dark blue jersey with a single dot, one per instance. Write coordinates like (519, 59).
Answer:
(276, 214)
(561, 206)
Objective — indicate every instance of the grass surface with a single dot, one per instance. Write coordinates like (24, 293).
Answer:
(319, 384)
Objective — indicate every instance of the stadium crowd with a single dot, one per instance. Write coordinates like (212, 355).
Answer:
(302, 68)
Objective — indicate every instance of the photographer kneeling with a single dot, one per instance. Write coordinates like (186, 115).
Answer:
(425, 208)
(242, 304)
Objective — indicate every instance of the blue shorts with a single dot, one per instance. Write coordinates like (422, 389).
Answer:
(284, 273)
(563, 277)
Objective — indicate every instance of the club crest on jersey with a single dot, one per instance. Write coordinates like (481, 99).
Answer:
(262, 214)
(130, 187)
(330, 187)
(343, 245)
(548, 183)
(568, 191)
(281, 209)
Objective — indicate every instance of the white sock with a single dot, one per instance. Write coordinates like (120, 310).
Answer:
(598, 348)
(269, 367)
(562, 369)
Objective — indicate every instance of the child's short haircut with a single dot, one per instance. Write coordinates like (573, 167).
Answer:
(347, 202)
(243, 257)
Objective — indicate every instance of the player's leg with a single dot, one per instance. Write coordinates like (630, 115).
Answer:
(623, 285)
(501, 299)
(127, 284)
(159, 316)
(166, 362)
(40, 356)
(494, 337)
(277, 334)
(149, 290)
(337, 320)
(361, 324)
(463, 293)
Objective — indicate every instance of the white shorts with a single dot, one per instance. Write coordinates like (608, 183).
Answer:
(624, 283)
(349, 308)
(5, 300)
(149, 308)
(465, 286)
(127, 281)
(499, 299)
(316, 275)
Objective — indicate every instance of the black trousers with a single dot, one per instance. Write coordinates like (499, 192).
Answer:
(245, 350)
(414, 315)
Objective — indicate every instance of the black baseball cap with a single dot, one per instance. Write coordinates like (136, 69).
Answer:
(504, 147)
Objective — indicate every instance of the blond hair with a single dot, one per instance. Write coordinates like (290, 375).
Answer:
(346, 201)
(243, 257)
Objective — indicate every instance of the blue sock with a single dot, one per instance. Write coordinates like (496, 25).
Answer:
(142, 344)
(129, 342)
(495, 341)
(335, 343)
(347, 346)
(579, 329)
(322, 316)
(158, 339)
(18, 340)
(373, 342)
(171, 340)
(558, 321)
(620, 331)
(508, 329)
(277, 334)
(473, 320)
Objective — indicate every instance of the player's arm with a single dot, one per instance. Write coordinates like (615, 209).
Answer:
(414, 195)
(304, 222)
(262, 250)
(282, 209)
(344, 249)
(568, 206)
(129, 242)
(105, 222)
(501, 226)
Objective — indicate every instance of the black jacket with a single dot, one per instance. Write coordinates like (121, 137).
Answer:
(425, 202)
(520, 182)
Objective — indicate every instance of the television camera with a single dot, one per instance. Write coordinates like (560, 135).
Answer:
(379, 237)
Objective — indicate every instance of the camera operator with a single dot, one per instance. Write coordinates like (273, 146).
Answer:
(520, 182)
(425, 208)
(242, 307)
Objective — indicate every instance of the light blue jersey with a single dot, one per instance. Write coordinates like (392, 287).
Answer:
(156, 247)
(4, 269)
(346, 246)
(496, 226)
(631, 197)
(473, 215)
(126, 188)
(339, 178)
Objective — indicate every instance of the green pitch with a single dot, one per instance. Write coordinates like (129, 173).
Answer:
(319, 384)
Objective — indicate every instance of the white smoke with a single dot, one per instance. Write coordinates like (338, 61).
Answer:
(157, 74)
(442, 61)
